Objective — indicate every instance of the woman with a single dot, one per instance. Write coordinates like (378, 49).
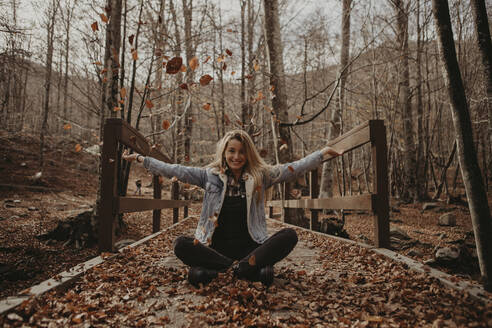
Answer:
(232, 223)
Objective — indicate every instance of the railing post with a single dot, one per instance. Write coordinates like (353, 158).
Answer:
(185, 208)
(380, 184)
(314, 193)
(156, 214)
(175, 195)
(106, 211)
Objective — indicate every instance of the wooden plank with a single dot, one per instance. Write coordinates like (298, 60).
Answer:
(314, 193)
(380, 171)
(175, 195)
(156, 214)
(354, 138)
(130, 137)
(129, 204)
(107, 213)
(358, 202)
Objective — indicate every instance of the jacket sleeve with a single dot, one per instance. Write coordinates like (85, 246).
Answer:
(192, 175)
(289, 171)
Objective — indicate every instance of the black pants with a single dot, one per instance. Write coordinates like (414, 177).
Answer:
(274, 249)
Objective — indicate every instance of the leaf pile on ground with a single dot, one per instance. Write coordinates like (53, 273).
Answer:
(348, 286)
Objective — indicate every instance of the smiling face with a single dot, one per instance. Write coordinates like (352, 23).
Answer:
(235, 156)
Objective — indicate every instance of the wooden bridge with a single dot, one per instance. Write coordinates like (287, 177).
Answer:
(117, 132)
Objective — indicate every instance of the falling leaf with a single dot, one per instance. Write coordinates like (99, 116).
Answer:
(260, 96)
(205, 79)
(248, 76)
(183, 68)
(272, 87)
(229, 30)
(299, 117)
(252, 260)
(104, 18)
(67, 126)
(174, 65)
(95, 27)
(206, 106)
(98, 63)
(131, 38)
(228, 52)
(166, 124)
(161, 179)
(206, 59)
(193, 63)
(123, 93)
(174, 179)
(134, 54)
(149, 103)
(256, 67)
(183, 86)
(196, 241)
(233, 72)
(78, 148)
(224, 66)
(291, 169)
(220, 59)
(116, 109)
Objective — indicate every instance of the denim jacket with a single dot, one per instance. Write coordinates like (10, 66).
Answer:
(215, 183)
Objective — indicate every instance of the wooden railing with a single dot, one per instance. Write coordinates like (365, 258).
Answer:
(117, 132)
(377, 201)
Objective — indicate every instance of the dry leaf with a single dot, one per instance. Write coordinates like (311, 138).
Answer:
(207, 59)
(256, 67)
(196, 241)
(174, 65)
(166, 124)
(149, 103)
(161, 179)
(78, 148)
(206, 106)
(134, 54)
(67, 126)
(228, 52)
(183, 68)
(95, 27)
(116, 109)
(205, 79)
(104, 18)
(131, 38)
(183, 86)
(193, 63)
(291, 169)
(123, 93)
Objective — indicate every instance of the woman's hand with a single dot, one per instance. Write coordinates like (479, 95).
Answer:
(132, 157)
(329, 152)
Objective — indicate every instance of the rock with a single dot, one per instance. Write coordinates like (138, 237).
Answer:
(398, 233)
(123, 243)
(447, 254)
(32, 208)
(429, 206)
(448, 219)
(415, 252)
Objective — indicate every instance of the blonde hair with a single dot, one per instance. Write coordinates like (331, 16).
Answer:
(255, 165)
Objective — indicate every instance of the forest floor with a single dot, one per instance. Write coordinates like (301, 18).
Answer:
(33, 206)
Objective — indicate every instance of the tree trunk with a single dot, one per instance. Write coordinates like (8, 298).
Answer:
(279, 102)
(409, 160)
(326, 184)
(190, 53)
(470, 170)
(50, 29)
(485, 46)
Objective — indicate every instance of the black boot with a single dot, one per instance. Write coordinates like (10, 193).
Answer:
(266, 275)
(197, 275)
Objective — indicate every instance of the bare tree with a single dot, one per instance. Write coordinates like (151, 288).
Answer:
(485, 46)
(470, 170)
(51, 12)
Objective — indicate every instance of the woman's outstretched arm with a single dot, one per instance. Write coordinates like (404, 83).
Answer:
(289, 171)
(192, 175)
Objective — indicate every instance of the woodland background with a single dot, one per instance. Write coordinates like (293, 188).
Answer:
(184, 72)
